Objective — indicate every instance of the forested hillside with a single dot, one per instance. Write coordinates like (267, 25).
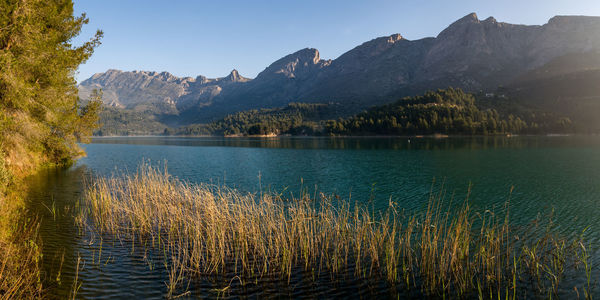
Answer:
(41, 120)
(449, 111)
(294, 119)
(123, 122)
(452, 111)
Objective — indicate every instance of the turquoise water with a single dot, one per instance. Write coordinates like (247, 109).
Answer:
(532, 176)
(543, 172)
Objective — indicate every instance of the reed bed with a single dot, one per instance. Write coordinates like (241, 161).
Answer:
(204, 230)
(19, 253)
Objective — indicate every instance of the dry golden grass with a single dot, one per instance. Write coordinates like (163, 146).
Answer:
(208, 230)
(19, 251)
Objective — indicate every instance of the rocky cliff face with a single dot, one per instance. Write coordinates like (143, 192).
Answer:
(299, 65)
(471, 54)
(138, 89)
(280, 83)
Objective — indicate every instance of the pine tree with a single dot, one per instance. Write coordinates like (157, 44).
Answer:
(41, 120)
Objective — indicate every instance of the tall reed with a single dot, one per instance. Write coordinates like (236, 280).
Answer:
(20, 251)
(205, 230)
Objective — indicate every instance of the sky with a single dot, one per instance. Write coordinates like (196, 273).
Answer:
(210, 38)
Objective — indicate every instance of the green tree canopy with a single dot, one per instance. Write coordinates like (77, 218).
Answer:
(41, 119)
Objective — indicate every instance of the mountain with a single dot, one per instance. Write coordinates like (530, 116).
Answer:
(567, 86)
(472, 54)
(136, 89)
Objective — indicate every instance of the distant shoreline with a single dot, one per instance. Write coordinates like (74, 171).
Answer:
(341, 136)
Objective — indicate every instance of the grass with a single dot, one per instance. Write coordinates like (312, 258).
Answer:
(21, 275)
(76, 283)
(206, 230)
(19, 251)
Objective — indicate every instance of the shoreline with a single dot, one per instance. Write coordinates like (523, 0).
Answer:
(344, 136)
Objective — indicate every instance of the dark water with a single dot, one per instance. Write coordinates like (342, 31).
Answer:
(545, 174)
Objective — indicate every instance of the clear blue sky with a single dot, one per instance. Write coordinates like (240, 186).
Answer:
(190, 38)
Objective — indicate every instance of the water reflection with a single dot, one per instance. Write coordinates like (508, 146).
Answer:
(107, 269)
(364, 143)
(52, 195)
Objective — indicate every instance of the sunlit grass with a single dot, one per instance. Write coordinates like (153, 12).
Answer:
(19, 251)
(206, 230)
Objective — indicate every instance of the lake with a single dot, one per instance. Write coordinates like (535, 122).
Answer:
(532, 176)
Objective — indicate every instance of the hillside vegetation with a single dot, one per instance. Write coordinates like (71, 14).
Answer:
(40, 117)
(41, 120)
(294, 119)
(449, 111)
(122, 122)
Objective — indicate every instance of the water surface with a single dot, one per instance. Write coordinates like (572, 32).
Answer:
(532, 176)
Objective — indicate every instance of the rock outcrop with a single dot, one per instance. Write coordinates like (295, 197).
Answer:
(133, 89)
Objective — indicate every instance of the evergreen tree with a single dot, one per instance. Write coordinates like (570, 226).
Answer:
(40, 116)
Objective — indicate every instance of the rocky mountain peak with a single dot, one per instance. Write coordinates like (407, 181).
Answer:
(470, 18)
(460, 26)
(307, 55)
(394, 38)
(111, 71)
(379, 45)
(166, 76)
(201, 79)
(102, 78)
(295, 64)
(235, 76)
(372, 48)
(490, 20)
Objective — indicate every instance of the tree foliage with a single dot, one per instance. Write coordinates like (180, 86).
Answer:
(41, 119)
(294, 119)
(449, 111)
(124, 122)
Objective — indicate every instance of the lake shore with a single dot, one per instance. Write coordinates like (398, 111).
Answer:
(341, 136)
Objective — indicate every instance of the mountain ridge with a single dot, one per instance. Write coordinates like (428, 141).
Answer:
(471, 54)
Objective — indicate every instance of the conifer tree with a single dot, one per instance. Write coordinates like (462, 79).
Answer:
(41, 119)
